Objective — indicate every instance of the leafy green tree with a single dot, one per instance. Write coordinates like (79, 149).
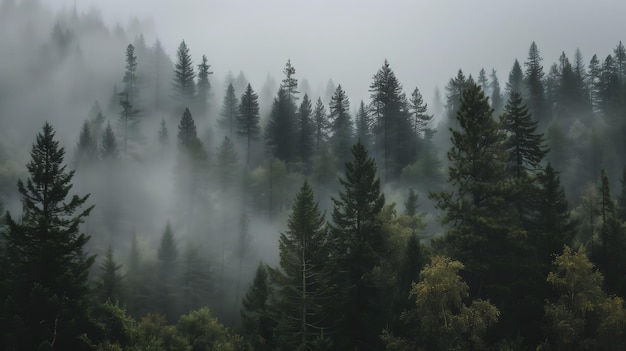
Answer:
(154, 334)
(202, 332)
(248, 119)
(300, 279)
(358, 243)
(582, 317)
(322, 125)
(110, 286)
(47, 266)
(87, 147)
(305, 132)
(184, 76)
(440, 320)
(204, 85)
(229, 113)
(256, 313)
(341, 125)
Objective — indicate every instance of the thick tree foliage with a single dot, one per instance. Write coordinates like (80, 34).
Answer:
(47, 266)
(248, 119)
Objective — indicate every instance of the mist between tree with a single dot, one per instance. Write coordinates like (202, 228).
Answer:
(298, 218)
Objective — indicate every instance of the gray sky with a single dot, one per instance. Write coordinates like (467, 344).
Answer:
(426, 42)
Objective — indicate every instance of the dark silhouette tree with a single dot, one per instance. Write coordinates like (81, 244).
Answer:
(229, 113)
(248, 119)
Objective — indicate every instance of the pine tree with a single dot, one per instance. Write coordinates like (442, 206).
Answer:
(227, 164)
(619, 53)
(525, 148)
(280, 129)
(290, 84)
(248, 119)
(357, 246)
(533, 80)
(110, 287)
(305, 132)
(167, 254)
(163, 134)
(300, 278)
(47, 263)
(256, 319)
(203, 86)
(516, 80)
(87, 147)
(197, 285)
(341, 125)
(593, 80)
(108, 144)
(130, 76)
(476, 207)
(188, 142)
(363, 126)
(184, 75)
(621, 200)
(420, 119)
(229, 113)
(496, 96)
(482, 81)
(322, 125)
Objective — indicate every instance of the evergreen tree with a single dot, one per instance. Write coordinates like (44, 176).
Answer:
(256, 319)
(496, 96)
(229, 113)
(593, 80)
(619, 53)
(322, 125)
(167, 254)
(280, 129)
(305, 132)
(477, 211)
(47, 266)
(163, 134)
(524, 147)
(300, 279)
(184, 75)
(357, 246)
(420, 119)
(363, 126)
(227, 162)
(108, 144)
(130, 76)
(248, 119)
(87, 147)
(621, 200)
(188, 142)
(482, 81)
(533, 80)
(197, 284)
(203, 86)
(516, 80)
(290, 84)
(341, 125)
(110, 286)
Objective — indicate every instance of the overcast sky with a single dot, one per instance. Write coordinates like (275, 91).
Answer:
(426, 42)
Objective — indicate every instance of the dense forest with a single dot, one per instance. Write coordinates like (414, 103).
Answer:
(149, 205)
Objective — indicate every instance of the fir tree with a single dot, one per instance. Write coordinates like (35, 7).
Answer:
(108, 144)
(419, 119)
(341, 125)
(280, 129)
(110, 287)
(290, 84)
(482, 81)
(167, 254)
(256, 318)
(248, 119)
(305, 132)
(300, 278)
(228, 120)
(525, 148)
(357, 246)
(322, 124)
(496, 96)
(227, 162)
(130, 76)
(204, 85)
(47, 264)
(516, 80)
(534, 80)
(87, 147)
(363, 126)
(184, 75)
(198, 283)
(163, 134)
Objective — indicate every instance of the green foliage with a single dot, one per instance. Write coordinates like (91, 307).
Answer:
(256, 314)
(440, 319)
(110, 282)
(229, 113)
(322, 124)
(184, 75)
(204, 85)
(305, 133)
(301, 278)
(280, 139)
(341, 125)
(47, 267)
(358, 245)
(248, 119)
